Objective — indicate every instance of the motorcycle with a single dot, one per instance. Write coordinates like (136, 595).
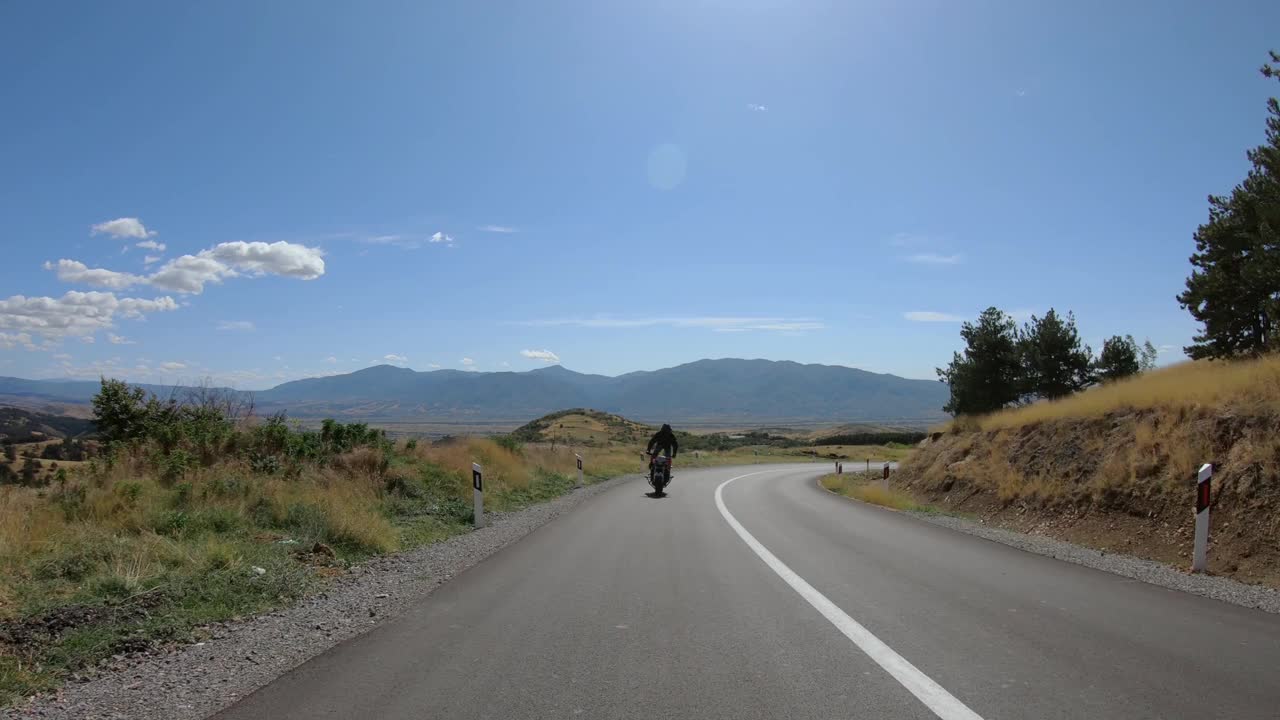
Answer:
(659, 473)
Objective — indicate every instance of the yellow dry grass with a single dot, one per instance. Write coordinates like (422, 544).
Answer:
(1247, 385)
(859, 487)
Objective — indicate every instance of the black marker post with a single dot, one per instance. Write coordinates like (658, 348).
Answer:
(477, 485)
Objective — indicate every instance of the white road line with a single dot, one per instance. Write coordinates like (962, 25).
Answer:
(934, 696)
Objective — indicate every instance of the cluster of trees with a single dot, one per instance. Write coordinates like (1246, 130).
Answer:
(68, 449)
(1234, 287)
(204, 425)
(1004, 365)
(1233, 292)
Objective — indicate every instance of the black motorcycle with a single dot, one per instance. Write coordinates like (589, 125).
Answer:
(659, 473)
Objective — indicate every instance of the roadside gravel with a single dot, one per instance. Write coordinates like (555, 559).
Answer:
(195, 681)
(1148, 571)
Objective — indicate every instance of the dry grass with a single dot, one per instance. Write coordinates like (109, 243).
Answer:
(1250, 386)
(858, 487)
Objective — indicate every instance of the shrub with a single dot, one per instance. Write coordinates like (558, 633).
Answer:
(509, 443)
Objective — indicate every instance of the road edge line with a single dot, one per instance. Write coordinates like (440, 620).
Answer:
(925, 689)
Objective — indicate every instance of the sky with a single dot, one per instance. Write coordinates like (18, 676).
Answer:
(255, 192)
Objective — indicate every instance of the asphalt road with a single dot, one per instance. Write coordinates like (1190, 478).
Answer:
(813, 606)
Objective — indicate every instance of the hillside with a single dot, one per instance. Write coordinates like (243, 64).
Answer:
(1114, 467)
(581, 426)
(728, 390)
(21, 426)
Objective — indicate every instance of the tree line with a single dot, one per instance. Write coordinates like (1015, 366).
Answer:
(1233, 291)
(1004, 365)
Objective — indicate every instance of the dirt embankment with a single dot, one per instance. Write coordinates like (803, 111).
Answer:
(1123, 482)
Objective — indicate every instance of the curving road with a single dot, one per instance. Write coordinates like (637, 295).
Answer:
(752, 593)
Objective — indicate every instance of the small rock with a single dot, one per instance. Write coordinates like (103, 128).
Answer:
(259, 571)
(372, 612)
(381, 595)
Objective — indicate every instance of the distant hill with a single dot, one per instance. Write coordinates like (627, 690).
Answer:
(581, 426)
(729, 390)
(20, 426)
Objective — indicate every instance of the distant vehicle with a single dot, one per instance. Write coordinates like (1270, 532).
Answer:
(660, 474)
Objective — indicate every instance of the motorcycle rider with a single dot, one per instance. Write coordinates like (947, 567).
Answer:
(663, 441)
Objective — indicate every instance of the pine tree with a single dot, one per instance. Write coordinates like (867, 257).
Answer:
(988, 375)
(1119, 358)
(1234, 287)
(1055, 362)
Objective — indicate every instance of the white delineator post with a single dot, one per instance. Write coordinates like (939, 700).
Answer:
(477, 485)
(885, 480)
(1200, 556)
(579, 457)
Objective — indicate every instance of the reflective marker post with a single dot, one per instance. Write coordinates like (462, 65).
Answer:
(1200, 558)
(885, 480)
(579, 457)
(477, 484)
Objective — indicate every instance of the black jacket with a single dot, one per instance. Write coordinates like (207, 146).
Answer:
(662, 440)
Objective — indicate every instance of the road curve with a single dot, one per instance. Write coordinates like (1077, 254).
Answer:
(632, 607)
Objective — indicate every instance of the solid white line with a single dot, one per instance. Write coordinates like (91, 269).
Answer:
(934, 696)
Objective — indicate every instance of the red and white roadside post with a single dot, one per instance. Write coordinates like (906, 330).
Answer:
(579, 458)
(885, 479)
(1200, 555)
(477, 485)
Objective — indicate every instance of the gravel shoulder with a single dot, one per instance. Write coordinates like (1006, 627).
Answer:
(195, 681)
(1148, 571)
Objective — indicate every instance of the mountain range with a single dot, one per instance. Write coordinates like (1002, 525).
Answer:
(728, 390)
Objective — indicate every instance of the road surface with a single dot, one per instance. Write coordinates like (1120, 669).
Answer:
(766, 597)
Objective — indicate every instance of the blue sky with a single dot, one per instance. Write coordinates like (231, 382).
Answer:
(620, 186)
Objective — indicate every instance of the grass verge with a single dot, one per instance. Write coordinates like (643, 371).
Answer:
(129, 554)
(860, 487)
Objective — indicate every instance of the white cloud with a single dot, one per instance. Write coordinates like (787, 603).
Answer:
(237, 326)
(150, 245)
(396, 359)
(87, 339)
(933, 259)
(1023, 314)
(9, 341)
(505, 364)
(172, 366)
(435, 366)
(115, 339)
(331, 359)
(122, 227)
(468, 362)
(75, 314)
(545, 356)
(151, 259)
(403, 241)
(756, 107)
(497, 229)
(1166, 349)
(714, 323)
(277, 358)
(190, 273)
(74, 271)
(62, 356)
(440, 237)
(931, 316)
